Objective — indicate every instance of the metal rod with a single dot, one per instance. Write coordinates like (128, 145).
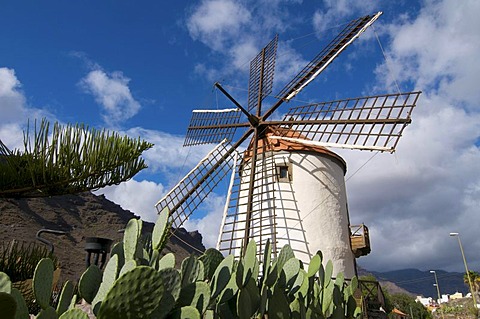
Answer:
(252, 119)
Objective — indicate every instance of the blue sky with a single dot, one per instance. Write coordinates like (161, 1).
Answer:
(141, 67)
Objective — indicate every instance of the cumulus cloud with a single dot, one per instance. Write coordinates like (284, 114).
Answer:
(214, 22)
(430, 187)
(139, 197)
(15, 112)
(237, 31)
(209, 225)
(12, 100)
(112, 93)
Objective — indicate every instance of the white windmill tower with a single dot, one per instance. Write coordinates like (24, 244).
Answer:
(287, 186)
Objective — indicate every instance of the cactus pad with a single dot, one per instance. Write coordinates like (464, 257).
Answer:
(74, 314)
(5, 283)
(43, 281)
(8, 306)
(67, 294)
(89, 283)
(134, 295)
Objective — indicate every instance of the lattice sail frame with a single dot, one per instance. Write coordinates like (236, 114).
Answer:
(372, 123)
(196, 185)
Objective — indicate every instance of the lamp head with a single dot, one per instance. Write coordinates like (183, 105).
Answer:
(453, 234)
(432, 271)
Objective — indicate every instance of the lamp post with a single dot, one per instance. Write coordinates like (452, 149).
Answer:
(466, 267)
(438, 290)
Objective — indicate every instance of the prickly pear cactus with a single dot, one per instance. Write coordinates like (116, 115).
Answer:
(5, 283)
(43, 281)
(192, 270)
(160, 230)
(134, 295)
(211, 258)
(74, 314)
(89, 283)
(108, 279)
(8, 306)
(131, 239)
(66, 297)
(22, 309)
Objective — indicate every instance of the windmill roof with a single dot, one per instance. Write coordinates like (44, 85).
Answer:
(275, 145)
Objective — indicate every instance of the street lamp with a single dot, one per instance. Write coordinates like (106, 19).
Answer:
(466, 267)
(438, 290)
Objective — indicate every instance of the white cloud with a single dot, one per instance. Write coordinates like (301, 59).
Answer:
(209, 225)
(168, 156)
(138, 197)
(12, 100)
(214, 22)
(336, 11)
(112, 92)
(14, 110)
(412, 200)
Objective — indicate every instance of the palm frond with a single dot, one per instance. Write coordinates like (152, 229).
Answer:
(70, 159)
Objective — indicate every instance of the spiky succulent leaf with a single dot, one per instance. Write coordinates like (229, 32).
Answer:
(229, 291)
(289, 273)
(244, 305)
(129, 265)
(192, 270)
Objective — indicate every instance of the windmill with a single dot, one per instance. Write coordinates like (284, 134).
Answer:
(287, 186)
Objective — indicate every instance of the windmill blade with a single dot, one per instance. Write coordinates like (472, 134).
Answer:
(351, 32)
(212, 126)
(374, 123)
(190, 192)
(261, 224)
(270, 215)
(262, 68)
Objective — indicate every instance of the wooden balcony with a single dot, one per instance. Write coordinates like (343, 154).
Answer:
(360, 240)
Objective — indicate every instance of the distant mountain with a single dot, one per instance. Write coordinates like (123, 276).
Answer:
(419, 282)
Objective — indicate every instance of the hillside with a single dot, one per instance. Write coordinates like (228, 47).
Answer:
(81, 216)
